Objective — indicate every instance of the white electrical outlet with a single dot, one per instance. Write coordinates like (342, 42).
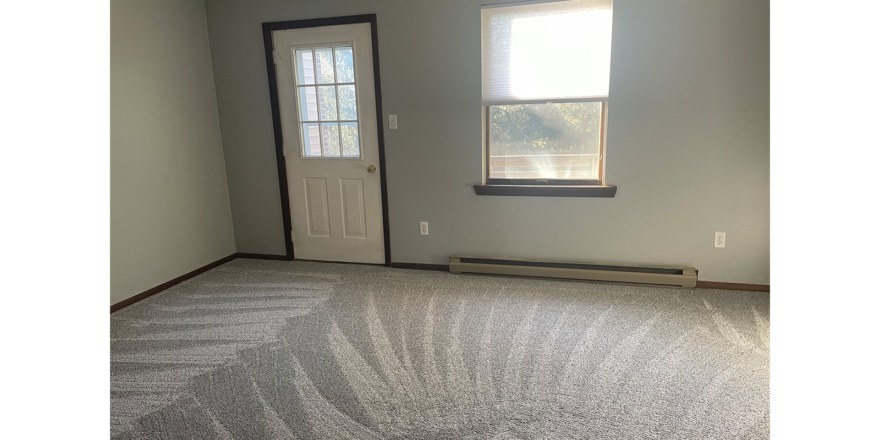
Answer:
(423, 228)
(720, 239)
(392, 122)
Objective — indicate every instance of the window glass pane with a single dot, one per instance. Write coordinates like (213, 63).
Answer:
(305, 67)
(327, 98)
(347, 103)
(350, 147)
(311, 140)
(545, 141)
(330, 134)
(308, 104)
(324, 64)
(344, 65)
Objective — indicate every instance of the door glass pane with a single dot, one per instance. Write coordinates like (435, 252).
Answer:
(347, 103)
(344, 65)
(308, 104)
(327, 98)
(330, 134)
(545, 141)
(324, 64)
(322, 101)
(305, 67)
(311, 140)
(350, 147)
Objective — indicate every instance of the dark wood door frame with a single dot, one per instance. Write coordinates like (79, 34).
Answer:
(276, 116)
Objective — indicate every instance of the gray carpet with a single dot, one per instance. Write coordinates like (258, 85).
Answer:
(297, 350)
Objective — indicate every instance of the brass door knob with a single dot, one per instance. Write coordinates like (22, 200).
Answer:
(371, 169)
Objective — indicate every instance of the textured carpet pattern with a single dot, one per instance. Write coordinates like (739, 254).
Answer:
(297, 350)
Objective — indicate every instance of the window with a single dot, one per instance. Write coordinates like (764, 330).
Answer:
(327, 102)
(546, 69)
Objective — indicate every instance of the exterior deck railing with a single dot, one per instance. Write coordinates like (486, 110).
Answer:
(552, 166)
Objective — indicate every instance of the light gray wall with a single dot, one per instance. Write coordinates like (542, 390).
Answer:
(688, 137)
(170, 211)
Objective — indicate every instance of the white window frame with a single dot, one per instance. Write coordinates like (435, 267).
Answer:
(486, 129)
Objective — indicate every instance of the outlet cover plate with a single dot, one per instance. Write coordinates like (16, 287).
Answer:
(720, 239)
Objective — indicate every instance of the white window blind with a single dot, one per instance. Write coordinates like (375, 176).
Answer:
(538, 52)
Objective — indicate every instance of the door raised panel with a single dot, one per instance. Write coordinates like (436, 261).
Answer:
(316, 207)
(354, 217)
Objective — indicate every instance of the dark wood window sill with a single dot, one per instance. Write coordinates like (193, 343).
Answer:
(546, 190)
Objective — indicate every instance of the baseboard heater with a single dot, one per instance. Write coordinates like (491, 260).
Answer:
(670, 276)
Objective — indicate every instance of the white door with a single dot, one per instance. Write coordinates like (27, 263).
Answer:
(331, 145)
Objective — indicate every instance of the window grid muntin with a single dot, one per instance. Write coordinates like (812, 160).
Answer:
(335, 85)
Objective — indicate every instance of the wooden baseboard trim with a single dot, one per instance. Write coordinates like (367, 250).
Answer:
(420, 266)
(148, 293)
(733, 286)
(261, 256)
